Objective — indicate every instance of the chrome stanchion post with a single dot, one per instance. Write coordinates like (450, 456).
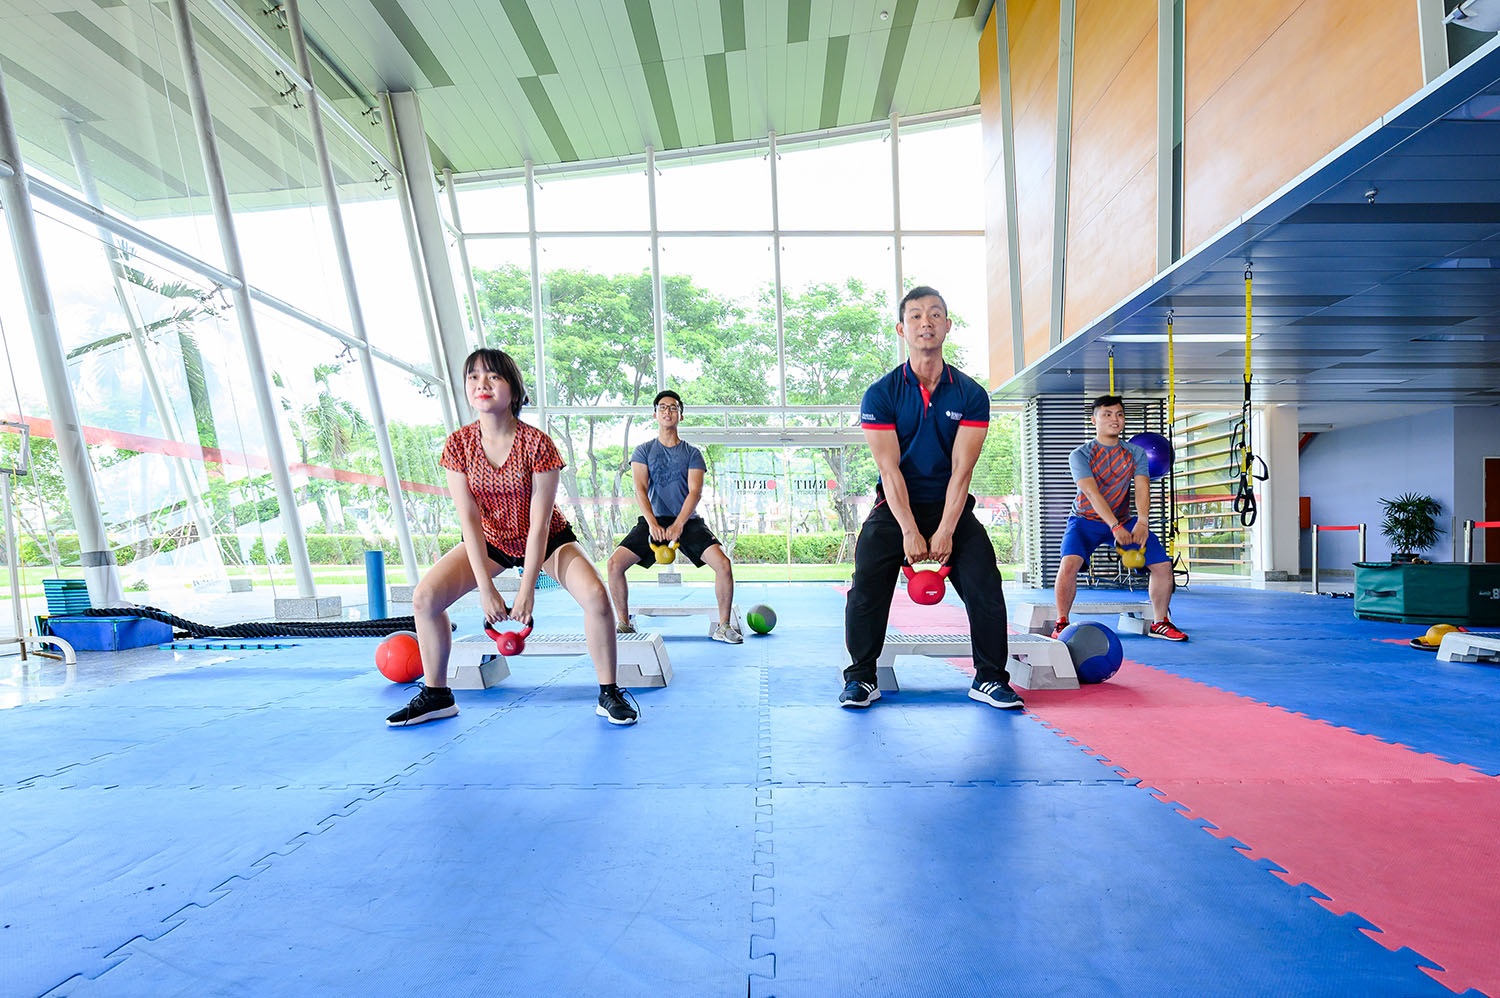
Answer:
(1315, 559)
(1468, 540)
(1361, 542)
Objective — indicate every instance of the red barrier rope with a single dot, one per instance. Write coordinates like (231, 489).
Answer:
(1352, 526)
(1486, 523)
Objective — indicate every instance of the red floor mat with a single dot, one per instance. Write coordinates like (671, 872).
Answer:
(1403, 839)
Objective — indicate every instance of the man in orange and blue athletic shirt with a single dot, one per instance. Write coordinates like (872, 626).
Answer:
(925, 423)
(1105, 468)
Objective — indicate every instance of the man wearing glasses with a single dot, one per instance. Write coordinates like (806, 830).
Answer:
(668, 484)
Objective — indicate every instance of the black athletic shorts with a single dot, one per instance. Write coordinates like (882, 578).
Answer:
(554, 542)
(696, 538)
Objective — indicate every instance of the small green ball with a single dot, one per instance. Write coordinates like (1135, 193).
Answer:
(761, 618)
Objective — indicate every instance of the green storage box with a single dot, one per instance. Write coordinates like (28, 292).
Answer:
(1466, 593)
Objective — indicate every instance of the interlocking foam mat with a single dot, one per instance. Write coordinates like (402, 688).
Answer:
(252, 827)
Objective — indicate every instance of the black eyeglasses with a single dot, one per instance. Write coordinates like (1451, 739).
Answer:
(669, 407)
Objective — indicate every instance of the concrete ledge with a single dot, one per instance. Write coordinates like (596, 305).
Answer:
(669, 578)
(401, 594)
(299, 608)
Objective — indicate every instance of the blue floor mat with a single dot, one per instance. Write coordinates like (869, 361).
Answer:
(86, 871)
(1065, 891)
(480, 892)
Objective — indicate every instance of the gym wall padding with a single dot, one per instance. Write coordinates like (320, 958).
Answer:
(1249, 71)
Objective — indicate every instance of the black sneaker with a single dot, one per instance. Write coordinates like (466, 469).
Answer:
(429, 704)
(858, 694)
(612, 705)
(995, 694)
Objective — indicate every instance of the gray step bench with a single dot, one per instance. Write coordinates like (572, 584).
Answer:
(1037, 662)
(1460, 646)
(689, 609)
(1040, 618)
(475, 663)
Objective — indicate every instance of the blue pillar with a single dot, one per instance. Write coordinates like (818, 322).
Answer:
(375, 583)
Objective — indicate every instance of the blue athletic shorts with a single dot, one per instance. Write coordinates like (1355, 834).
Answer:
(1083, 535)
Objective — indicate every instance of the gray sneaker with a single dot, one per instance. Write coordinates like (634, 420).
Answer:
(727, 634)
(624, 628)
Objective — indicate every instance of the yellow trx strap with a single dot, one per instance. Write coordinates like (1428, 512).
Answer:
(1171, 377)
(1111, 370)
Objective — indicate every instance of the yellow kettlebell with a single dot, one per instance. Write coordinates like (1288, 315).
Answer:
(1132, 557)
(665, 553)
(1434, 635)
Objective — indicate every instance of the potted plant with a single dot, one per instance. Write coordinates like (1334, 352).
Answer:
(1410, 525)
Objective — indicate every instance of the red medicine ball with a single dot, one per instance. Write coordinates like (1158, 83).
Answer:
(398, 658)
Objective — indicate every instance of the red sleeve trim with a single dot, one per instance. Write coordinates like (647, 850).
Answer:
(973, 422)
(878, 426)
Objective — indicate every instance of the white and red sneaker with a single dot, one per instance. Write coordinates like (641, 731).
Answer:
(1163, 629)
(1059, 627)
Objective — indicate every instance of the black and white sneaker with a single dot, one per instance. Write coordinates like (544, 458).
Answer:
(858, 694)
(430, 703)
(996, 694)
(612, 705)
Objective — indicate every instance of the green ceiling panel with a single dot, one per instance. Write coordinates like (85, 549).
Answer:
(798, 20)
(648, 46)
(541, 104)
(524, 25)
(732, 18)
(833, 80)
(895, 55)
(411, 39)
(718, 96)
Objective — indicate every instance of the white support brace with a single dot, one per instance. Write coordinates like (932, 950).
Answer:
(1040, 618)
(1037, 662)
(474, 663)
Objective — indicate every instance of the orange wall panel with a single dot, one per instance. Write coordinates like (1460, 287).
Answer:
(1112, 159)
(996, 237)
(1273, 86)
(1033, 30)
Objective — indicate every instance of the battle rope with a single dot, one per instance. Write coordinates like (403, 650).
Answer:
(1242, 455)
(263, 629)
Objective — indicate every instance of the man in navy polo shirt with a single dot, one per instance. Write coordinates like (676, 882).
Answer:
(925, 423)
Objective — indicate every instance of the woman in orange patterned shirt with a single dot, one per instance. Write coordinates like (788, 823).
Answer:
(502, 475)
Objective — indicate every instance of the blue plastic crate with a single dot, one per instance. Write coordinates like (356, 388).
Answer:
(109, 633)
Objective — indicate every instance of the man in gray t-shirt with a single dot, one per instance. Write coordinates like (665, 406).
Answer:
(668, 473)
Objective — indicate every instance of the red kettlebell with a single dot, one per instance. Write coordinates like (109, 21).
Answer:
(510, 642)
(926, 587)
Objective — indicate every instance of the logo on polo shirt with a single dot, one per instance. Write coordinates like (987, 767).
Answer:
(953, 415)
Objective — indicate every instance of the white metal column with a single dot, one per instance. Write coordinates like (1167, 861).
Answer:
(164, 412)
(1008, 168)
(1276, 536)
(260, 385)
(776, 272)
(657, 300)
(98, 560)
(419, 274)
(1065, 30)
(463, 257)
(899, 344)
(1166, 128)
(536, 296)
(351, 294)
(417, 170)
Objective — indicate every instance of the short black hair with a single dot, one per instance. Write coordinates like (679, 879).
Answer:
(666, 394)
(501, 363)
(920, 291)
(1104, 401)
